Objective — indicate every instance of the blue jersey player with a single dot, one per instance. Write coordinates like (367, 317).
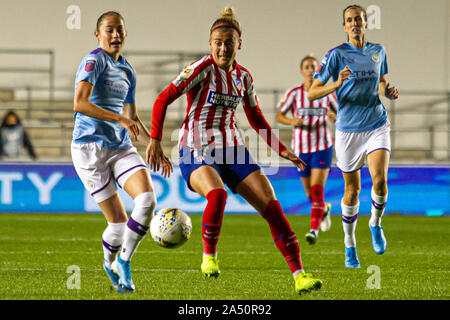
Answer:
(358, 71)
(103, 155)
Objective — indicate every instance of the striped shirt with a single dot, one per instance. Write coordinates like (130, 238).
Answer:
(212, 97)
(314, 134)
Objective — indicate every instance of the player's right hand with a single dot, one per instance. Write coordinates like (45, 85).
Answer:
(297, 122)
(131, 126)
(155, 157)
(344, 74)
(299, 163)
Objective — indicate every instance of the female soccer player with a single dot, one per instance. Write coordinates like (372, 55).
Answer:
(212, 150)
(312, 142)
(102, 152)
(359, 69)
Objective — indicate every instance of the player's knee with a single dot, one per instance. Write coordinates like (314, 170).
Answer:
(218, 196)
(380, 186)
(114, 232)
(146, 201)
(317, 193)
(351, 194)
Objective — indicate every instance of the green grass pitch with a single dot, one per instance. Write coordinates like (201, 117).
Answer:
(37, 251)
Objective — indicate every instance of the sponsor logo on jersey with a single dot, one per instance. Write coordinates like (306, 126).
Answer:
(364, 75)
(311, 112)
(375, 58)
(90, 64)
(225, 100)
(115, 86)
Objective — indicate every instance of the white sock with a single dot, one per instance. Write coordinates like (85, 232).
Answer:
(378, 206)
(349, 220)
(297, 272)
(138, 224)
(112, 240)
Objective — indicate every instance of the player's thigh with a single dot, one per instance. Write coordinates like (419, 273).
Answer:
(138, 183)
(257, 190)
(205, 179)
(319, 176)
(113, 209)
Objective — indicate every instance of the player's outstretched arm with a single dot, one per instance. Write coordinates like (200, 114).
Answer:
(387, 91)
(319, 89)
(288, 155)
(296, 122)
(156, 158)
(82, 105)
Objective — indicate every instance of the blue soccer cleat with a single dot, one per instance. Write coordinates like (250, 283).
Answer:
(378, 239)
(351, 258)
(114, 277)
(124, 270)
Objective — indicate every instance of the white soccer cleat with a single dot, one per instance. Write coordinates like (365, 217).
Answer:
(325, 224)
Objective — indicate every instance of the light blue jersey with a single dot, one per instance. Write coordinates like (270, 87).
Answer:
(360, 108)
(114, 84)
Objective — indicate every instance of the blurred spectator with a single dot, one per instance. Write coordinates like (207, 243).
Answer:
(14, 139)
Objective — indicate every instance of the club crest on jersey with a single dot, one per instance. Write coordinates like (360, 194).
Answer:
(90, 64)
(239, 84)
(375, 58)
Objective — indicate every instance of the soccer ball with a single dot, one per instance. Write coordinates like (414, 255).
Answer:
(170, 227)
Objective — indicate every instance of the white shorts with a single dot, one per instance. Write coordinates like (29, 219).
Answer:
(352, 147)
(98, 168)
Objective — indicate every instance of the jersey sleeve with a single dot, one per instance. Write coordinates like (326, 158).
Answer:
(384, 66)
(90, 69)
(286, 104)
(186, 80)
(327, 67)
(131, 96)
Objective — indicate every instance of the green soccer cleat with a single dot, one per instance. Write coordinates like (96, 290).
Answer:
(210, 266)
(304, 283)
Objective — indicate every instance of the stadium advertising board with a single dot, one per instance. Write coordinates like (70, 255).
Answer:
(56, 188)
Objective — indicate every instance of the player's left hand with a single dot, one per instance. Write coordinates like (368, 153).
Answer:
(156, 158)
(286, 154)
(391, 92)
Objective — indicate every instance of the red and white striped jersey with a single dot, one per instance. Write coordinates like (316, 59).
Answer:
(314, 134)
(212, 97)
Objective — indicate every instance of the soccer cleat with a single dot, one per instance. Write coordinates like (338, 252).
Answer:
(325, 224)
(378, 239)
(210, 266)
(113, 276)
(304, 283)
(351, 258)
(124, 271)
(311, 237)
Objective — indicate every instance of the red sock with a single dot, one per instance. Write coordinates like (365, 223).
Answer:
(212, 220)
(317, 207)
(283, 236)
